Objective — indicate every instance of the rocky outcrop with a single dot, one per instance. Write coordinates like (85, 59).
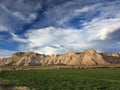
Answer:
(91, 57)
(87, 58)
(111, 58)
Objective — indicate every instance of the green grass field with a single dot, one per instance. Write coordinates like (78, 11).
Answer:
(66, 79)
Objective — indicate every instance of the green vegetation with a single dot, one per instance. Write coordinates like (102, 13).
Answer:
(6, 85)
(66, 79)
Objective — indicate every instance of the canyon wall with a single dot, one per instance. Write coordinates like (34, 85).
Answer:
(87, 57)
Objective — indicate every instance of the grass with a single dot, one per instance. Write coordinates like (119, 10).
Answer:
(66, 79)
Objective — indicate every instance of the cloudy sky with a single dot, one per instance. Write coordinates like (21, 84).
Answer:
(59, 26)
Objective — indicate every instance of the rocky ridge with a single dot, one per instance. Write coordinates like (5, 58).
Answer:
(87, 58)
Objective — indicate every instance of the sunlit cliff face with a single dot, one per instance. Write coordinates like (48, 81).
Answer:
(85, 58)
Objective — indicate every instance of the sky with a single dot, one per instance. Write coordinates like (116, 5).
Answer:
(59, 26)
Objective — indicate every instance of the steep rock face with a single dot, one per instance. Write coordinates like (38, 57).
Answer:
(22, 59)
(91, 57)
(75, 59)
(111, 58)
(88, 58)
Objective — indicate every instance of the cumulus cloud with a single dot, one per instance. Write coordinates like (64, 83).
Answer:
(101, 28)
(98, 25)
(57, 40)
(99, 33)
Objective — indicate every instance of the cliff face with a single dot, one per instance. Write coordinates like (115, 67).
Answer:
(88, 58)
(111, 58)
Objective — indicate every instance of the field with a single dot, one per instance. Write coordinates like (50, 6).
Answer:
(64, 79)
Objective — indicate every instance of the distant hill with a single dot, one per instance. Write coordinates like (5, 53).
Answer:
(87, 58)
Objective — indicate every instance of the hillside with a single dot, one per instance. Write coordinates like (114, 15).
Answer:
(87, 58)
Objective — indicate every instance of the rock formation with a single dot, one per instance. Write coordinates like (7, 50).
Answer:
(87, 58)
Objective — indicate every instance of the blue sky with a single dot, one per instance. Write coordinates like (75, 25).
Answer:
(59, 26)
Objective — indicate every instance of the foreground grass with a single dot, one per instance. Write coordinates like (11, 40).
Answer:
(66, 79)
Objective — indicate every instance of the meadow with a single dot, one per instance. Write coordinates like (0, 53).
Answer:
(64, 79)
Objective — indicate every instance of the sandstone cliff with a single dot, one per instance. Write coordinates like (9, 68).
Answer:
(88, 58)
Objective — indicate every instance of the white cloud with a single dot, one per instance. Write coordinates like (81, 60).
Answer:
(57, 40)
(102, 28)
(17, 38)
(5, 53)
(26, 18)
(76, 12)
(20, 10)
(19, 15)
(3, 28)
(95, 33)
(60, 14)
(86, 9)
